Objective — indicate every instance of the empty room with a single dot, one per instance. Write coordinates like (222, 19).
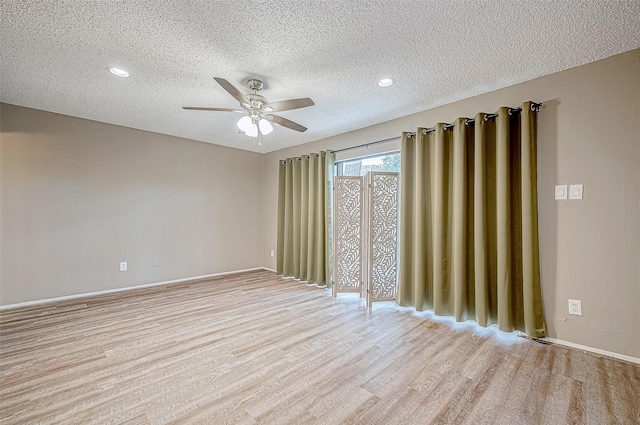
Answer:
(320, 212)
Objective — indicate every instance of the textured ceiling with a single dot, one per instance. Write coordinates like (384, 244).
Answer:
(54, 56)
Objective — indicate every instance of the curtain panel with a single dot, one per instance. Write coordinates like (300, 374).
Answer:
(304, 218)
(469, 221)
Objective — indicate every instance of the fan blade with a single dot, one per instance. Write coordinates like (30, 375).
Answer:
(198, 108)
(286, 123)
(287, 105)
(231, 90)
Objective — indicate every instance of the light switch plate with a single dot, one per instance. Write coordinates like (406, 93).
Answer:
(575, 191)
(561, 191)
(123, 266)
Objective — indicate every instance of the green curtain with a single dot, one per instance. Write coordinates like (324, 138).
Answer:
(304, 219)
(469, 221)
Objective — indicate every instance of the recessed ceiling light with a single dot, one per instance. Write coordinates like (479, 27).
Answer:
(386, 82)
(118, 72)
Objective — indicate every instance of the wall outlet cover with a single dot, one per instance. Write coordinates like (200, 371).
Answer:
(575, 307)
(123, 266)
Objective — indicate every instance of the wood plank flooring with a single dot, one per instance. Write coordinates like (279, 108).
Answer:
(257, 349)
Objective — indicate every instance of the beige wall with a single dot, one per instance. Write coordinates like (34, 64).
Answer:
(588, 133)
(79, 196)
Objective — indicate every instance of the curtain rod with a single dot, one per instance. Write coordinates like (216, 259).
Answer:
(535, 107)
(299, 158)
(366, 145)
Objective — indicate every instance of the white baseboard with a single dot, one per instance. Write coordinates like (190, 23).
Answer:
(268, 269)
(593, 350)
(128, 288)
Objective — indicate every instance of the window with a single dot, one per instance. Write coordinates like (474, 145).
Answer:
(361, 166)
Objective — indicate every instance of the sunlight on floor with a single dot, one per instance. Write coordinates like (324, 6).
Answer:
(504, 338)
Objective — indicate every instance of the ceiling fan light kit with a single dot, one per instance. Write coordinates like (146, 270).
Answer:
(259, 111)
(247, 125)
(265, 126)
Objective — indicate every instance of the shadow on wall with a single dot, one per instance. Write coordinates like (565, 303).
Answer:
(547, 208)
(11, 121)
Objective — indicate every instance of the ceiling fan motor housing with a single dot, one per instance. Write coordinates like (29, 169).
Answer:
(256, 101)
(255, 105)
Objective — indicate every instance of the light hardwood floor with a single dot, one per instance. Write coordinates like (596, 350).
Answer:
(254, 348)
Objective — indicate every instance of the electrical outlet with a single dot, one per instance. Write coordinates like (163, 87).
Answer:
(575, 307)
(123, 266)
(273, 254)
(154, 262)
(561, 191)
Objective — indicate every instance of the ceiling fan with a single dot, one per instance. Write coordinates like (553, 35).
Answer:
(259, 111)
